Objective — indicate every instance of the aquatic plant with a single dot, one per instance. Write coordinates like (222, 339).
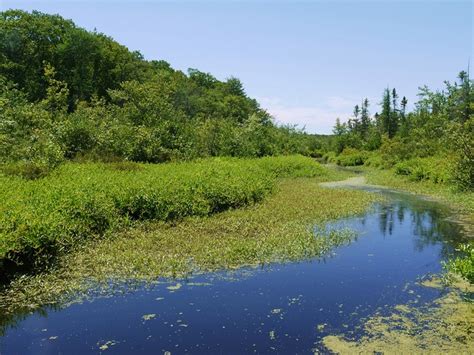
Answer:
(78, 201)
(279, 228)
(463, 265)
(442, 326)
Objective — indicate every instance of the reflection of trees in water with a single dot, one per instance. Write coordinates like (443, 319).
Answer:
(11, 320)
(428, 221)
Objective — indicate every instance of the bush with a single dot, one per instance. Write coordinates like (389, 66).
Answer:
(329, 157)
(374, 159)
(394, 150)
(78, 201)
(291, 166)
(351, 157)
(434, 169)
(462, 138)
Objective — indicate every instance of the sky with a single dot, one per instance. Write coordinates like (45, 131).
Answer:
(306, 62)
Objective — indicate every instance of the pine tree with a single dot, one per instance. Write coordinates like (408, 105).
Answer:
(389, 116)
(403, 119)
(364, 118)
(386, 112)
(404, 106)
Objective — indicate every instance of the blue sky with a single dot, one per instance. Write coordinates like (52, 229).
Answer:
(307, 62)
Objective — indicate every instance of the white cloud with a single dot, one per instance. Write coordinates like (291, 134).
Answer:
(315, 119)
(338, 102)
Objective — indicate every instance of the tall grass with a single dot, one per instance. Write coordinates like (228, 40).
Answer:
(78, 201)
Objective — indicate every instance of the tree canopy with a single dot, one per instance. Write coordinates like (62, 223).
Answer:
(68, 93)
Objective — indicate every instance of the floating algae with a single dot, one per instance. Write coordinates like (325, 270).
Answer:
(445, 326)
(174, 287)
(107, 344)
(148, 317)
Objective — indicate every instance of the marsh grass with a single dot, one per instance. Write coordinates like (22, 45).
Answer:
(41, 218)
(279, 228)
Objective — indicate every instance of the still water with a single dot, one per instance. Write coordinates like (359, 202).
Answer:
(280, 308)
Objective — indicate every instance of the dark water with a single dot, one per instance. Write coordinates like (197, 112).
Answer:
(284, 308)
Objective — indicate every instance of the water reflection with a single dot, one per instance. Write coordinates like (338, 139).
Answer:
(429, 222)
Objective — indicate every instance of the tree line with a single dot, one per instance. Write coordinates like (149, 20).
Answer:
(441, 125)
(68, 93)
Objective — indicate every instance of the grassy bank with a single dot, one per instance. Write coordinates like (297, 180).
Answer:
(79, 201)
(278, 228)
(461, 200)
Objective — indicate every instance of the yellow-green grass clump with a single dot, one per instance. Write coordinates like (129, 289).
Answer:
(77, 201)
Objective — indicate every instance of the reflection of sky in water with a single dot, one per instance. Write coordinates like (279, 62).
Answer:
(286, 308)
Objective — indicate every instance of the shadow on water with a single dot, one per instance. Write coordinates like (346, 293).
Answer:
(281, 307)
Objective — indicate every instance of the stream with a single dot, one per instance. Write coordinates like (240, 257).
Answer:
(278, 308)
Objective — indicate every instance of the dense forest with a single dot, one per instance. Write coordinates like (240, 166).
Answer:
(67, 93)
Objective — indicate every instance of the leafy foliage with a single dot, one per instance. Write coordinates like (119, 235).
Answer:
(434, 169)
(78, 201)
(463, 265)
(67, 93)
(434, 142)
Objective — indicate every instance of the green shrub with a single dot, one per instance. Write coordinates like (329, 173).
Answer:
(434, 169)
(329, 157)
(462, 139)
(351, 157)
(77, 201)
(374, 159)
(291, 166)
(394, 151)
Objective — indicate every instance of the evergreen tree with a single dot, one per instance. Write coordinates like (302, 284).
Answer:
(388, 116)
(385, 115)
(364, 118)
(340, 128)
(403, 119)
(394, 119)
(404, 106)
(465, 104)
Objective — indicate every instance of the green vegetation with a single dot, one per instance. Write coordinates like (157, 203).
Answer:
(70, 94)
(428, 151)
(463, 265)
(350, 157)
(445, 324)
(434, 142)
(84, 123)
(279, 228)
(78, 201)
